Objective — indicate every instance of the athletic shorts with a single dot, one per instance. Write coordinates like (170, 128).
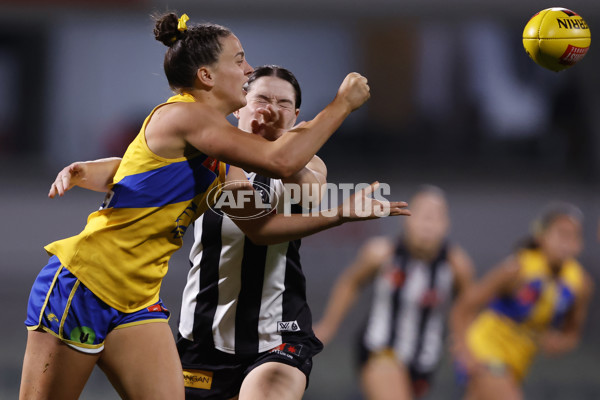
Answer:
(210, 374)
(64, 307)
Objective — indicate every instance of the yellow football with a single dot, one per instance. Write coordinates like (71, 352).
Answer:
(556, 38)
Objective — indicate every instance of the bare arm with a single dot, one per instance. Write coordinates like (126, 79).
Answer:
(462, 268)
(315, 172)
(348, 286)
(554, 342)
(277, 228)
(311, 179)
(499, 280)
(93, 175)
(212, 134)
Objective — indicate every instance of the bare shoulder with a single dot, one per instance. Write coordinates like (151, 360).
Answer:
(185, 116)
(588, 286)
(318, 165)
(459, 257)
(460, 261)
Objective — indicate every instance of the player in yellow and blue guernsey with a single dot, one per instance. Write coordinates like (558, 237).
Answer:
(97, 301)
(537, 298)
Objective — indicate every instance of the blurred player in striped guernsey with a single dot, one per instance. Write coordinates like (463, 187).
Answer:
(414, 279)
(536, 298)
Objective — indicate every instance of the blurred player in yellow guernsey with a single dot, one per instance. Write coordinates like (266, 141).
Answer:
(537, 297)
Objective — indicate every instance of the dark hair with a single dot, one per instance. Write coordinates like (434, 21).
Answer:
(546, 218)
(188, 50)
(278, 72)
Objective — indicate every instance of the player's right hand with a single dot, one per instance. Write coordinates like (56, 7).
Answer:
(66, 179)
(354, 91)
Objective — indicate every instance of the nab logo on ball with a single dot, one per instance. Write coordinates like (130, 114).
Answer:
(556, 38)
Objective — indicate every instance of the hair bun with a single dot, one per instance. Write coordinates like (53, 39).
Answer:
(165, 29)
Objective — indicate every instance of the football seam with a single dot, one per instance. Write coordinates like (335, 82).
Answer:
(543, 17)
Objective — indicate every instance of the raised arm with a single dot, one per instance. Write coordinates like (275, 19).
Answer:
(94, 175)
(213, 135)
(370, 258)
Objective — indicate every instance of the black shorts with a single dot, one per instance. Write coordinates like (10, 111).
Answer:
(210, 374)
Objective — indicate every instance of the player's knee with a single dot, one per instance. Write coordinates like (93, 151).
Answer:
(275, 378)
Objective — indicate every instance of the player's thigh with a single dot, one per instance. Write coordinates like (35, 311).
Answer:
(273, 380)
(141, 362)
(485, 385)
(52, 369)
(384, 378)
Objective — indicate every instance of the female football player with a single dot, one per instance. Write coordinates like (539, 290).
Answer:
(537, 298)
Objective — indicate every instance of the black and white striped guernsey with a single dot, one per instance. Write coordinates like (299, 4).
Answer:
(411, 301)
(241, 298)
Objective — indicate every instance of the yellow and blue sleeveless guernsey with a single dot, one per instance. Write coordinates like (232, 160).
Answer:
(505, 334)
(123, 252)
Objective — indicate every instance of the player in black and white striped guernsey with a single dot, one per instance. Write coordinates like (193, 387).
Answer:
(244, 305)
(414, 281)
(246, 327)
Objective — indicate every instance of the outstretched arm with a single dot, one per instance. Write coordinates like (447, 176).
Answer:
(277, 228)
(374, 253)
(278, 159)
(94, 175)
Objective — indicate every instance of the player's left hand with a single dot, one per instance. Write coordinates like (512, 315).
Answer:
(68, 177)
(360, 206)
(267, 122)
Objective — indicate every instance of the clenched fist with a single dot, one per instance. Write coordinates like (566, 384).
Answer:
(354, 91)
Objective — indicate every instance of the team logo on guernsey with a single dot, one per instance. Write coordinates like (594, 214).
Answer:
(529, 294)
(197, 378)
(184, 220)
(238, 195)
(430, 298)
(211, 164)
(287, 326)
(396, 277)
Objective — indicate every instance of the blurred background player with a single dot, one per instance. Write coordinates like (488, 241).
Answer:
(414, 279)
(536, 298)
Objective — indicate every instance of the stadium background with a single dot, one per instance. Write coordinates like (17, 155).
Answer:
(455, 102)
